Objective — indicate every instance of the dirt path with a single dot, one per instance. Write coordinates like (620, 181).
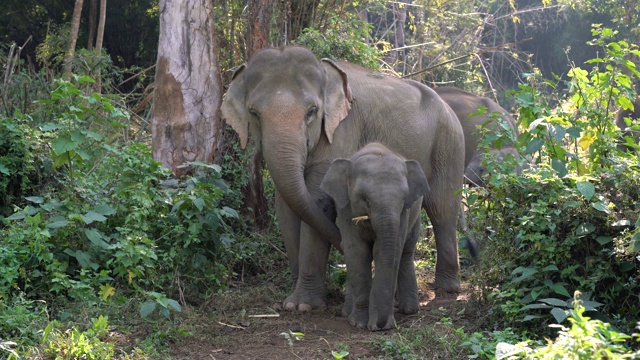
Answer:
(231, 333)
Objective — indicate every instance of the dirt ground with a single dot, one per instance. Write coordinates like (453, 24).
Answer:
(246, 323)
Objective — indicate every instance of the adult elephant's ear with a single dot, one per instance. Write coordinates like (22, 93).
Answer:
(335, 182)
(234, 110)
(337, 97)
(417, 181)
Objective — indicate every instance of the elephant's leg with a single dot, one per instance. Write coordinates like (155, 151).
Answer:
(408, 302)
(312, 265)
(358, 258)
(443, 213)
(289, 224)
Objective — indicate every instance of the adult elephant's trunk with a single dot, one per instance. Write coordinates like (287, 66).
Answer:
(286, 166)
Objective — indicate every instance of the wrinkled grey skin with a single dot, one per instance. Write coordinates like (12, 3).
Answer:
(634, 117)
(464, 103)
(304, 113)
(388, 190)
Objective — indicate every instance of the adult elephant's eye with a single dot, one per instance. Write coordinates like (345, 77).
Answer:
(254, 113)
(311, 114)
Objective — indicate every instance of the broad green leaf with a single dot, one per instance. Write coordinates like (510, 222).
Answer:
(600, 206)
(550, 268)
(50, 127)
(554, 302)
(147, 308)
(560, 167)
(92, 135)
(525, 273)
(230, 212)
(560, 289)
(626, 266)
(559, 314)
(96, 238)
(634, 247)
(586, 189)
(602, 240)
(174, 305)
(536, 306)
(35, 199)
(4, 170)
(531, 317)
(585, 229)
(104, 209)
(57, 222)
(91, 216)
(62, 145)
(533, 146)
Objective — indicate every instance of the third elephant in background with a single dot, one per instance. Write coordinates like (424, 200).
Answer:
(466, 107)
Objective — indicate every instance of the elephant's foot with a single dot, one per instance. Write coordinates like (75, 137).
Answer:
(409, 306)
(305, 300)
(390, 323)
(348, 304)
(359, 318)
(446, 284)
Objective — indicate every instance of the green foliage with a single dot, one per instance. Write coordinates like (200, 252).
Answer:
(75, 344)
(440, 340)
(572, 221)
(116, 219)
(344, 38)
(586, 339)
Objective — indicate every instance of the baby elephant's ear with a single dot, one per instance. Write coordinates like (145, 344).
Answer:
(418, 185)
(335, 182)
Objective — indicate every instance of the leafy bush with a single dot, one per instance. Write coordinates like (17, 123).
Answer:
(344, 38)
(572, 221)
(115, 220)
(586, 339)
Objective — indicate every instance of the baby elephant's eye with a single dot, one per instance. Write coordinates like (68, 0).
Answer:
(365, 201)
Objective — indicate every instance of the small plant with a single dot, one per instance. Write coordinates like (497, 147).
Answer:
(291, 337)
(75, 344)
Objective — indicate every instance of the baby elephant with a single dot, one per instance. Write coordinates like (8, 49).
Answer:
(378, 197)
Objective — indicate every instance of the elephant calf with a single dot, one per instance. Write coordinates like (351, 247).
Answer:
(378, 196)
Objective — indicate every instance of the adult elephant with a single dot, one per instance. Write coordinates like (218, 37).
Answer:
(304, 113)
(466, 104)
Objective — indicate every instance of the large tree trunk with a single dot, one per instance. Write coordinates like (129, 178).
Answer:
(255, 203)
(73, 38)
(186, 122)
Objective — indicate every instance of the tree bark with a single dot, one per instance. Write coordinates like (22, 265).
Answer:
(99, 39)
(93, 15)
(186, 124)
(255, 203)
(73, 39)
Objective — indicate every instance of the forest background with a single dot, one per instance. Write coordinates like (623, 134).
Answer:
(110, 249)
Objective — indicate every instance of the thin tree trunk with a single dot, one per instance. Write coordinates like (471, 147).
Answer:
(73, 39)
(103, 17)
(99, 39)
(254, 200)
(186, 124)
(93, 15)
